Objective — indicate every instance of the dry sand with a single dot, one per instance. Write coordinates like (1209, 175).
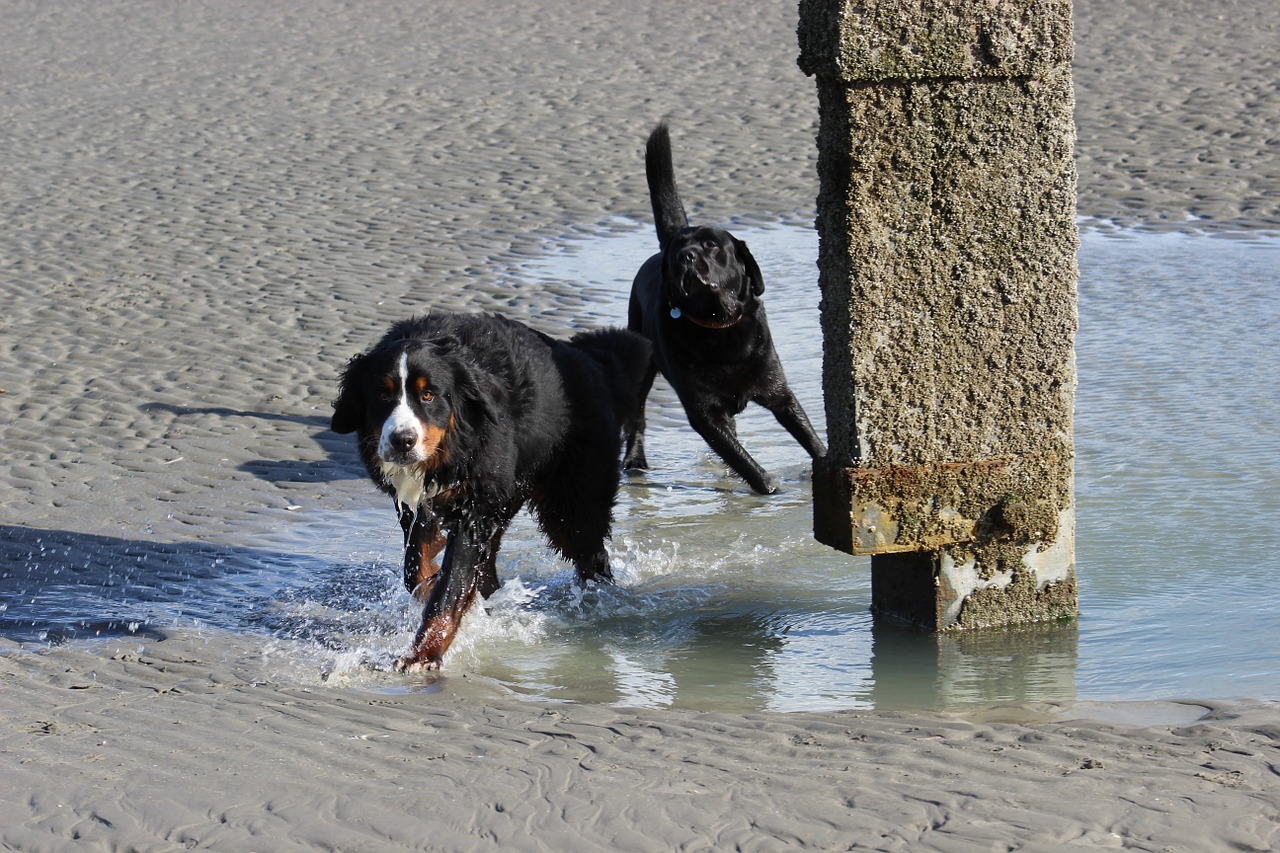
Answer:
(208, 207)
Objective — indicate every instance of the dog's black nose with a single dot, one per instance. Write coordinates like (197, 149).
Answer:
(688, 256)
(403, 440)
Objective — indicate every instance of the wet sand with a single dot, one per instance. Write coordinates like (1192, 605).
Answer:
(209, 207)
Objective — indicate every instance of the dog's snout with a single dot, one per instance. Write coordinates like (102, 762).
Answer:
(693, 262)
(403, 440)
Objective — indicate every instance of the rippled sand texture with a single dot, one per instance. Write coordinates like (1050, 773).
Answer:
(185, 747)
(1176, 113)
(208, 207)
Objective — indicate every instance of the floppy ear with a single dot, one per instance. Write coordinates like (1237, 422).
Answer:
(347, 408)
(476, 394)
(750, 266)
(480, 398)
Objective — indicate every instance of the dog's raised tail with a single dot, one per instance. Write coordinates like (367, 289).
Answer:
(668, 212)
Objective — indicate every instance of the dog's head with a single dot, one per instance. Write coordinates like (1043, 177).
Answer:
(410, 403)
(710, 277)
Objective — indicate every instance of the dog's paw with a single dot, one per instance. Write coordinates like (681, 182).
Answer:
(411, 663)
(635, 462)
(767, 486)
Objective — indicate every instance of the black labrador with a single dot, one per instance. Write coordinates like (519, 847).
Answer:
(699, 302)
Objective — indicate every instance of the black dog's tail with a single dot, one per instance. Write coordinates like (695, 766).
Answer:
(625, 358)
(668, 212)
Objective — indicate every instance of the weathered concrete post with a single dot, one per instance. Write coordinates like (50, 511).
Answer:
(946, 217)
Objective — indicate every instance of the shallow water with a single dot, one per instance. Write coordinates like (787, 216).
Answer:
(724, 600)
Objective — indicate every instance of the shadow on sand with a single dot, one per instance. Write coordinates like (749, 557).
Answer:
(59, 585)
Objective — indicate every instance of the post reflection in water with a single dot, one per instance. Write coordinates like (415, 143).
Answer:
(914, 669)
(734, 657)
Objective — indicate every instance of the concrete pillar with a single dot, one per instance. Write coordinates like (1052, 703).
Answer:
(946, 218)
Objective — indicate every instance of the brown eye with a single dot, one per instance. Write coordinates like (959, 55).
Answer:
(427, 397)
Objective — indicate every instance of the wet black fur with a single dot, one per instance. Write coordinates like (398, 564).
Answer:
(534, 419)
(717, 353)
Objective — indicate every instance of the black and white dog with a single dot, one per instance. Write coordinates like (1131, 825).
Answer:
(462, 418)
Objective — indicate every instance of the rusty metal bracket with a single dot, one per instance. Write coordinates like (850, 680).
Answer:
(895, 509)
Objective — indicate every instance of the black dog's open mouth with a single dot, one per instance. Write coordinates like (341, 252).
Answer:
(696, 285)
(696, 276)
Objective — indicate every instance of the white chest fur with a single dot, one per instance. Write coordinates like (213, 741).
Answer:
(410, 486)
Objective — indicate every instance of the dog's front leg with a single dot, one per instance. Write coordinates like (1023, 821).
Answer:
(452, 593)
(423, 542)
(718, 431)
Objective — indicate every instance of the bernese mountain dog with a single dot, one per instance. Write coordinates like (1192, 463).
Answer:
(462, 419)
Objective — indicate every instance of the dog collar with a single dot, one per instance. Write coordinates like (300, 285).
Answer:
(676, 314)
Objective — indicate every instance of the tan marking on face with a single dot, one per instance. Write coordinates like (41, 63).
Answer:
(433, 438)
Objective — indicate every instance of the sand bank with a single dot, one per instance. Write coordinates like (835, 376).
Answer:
(208, 207)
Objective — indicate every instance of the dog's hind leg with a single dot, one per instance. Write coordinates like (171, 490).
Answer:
(574, 508)
(634, 459)
(593, 566)
(581, 539)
